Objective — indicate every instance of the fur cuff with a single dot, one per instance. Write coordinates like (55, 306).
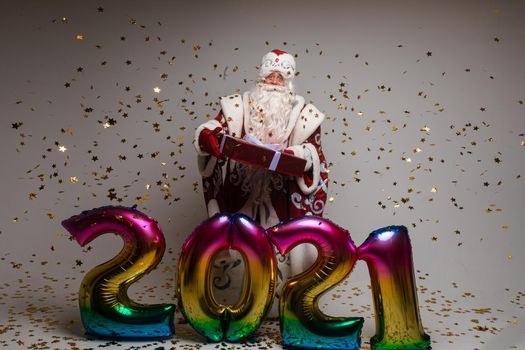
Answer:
(205, 162)
(316, 171)
(303, 152)
(210, 125)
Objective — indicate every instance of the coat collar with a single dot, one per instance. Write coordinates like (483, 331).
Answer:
(304, 120)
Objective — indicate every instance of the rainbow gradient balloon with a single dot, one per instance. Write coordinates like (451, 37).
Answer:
(388, 254)
(194, 285)
(302, 323)
(105, 308)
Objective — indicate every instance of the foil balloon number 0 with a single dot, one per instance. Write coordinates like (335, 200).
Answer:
(106, 309)
(194, 286)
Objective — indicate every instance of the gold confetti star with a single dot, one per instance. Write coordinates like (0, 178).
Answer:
(433, 190)
(156, 89)
(73, 179)
(79, 37)
(106, 125)
(62, 148)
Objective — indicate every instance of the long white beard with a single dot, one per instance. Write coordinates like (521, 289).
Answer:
(270, 108)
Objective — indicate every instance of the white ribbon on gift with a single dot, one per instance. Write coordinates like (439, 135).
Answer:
(254, 140)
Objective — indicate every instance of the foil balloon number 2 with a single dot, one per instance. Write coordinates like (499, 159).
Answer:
(107, 311)
(105, 307)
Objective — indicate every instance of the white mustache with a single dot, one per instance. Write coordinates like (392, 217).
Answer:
(271, 88)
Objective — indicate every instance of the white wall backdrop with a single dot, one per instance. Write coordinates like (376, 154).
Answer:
(426, 123)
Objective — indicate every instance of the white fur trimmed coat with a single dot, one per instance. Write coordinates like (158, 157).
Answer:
(288, 197)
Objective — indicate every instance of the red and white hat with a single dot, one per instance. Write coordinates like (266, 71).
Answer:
(277, 61)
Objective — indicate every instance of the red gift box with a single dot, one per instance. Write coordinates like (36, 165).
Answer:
(261, 156)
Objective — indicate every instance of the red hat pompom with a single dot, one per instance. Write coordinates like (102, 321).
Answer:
(278, 52)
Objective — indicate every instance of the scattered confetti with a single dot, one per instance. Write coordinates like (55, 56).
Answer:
(393, 139)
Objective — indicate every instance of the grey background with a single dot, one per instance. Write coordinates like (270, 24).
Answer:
(383, 72)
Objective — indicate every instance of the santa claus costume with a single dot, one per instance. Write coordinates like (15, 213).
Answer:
(271, 114)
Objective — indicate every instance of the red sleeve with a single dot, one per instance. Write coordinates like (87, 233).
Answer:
(212, 185)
